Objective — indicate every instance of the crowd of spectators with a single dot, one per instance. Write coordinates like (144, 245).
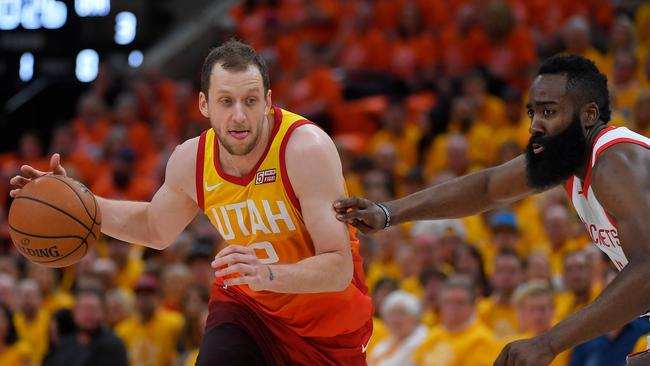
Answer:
(414, 93)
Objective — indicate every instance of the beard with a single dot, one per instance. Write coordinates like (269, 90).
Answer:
(564, 153)
(238, 150)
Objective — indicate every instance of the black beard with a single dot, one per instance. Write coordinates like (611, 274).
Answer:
(564, 153)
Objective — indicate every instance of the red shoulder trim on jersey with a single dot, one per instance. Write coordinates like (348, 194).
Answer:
(569, 187)
(605, 147)
(283, 163)
(200, 156)
(246, 179)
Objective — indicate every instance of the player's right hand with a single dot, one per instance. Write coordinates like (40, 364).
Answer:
(28, 173)
(361, 213)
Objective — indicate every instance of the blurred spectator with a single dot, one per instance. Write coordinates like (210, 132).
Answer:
(559, 229)
(152, 333)
(78, 163)
(535, 307)
(91, 125)
(642, 113)
(577, 281)
(119, 306)
(577, 40)
(497, 311)
(175, 280)
(384, 262)
(384, 287)
(401, 313)
(12, 351)
(460, 339)
(432, 281)
(198, 261)
(61, 325)
(32, 320)
(47, 279)
(538, 268)
(8, 296)
(505, 236)
(91, 344)
(194, 307)
(129, 265)
(469, 262)
(535, 313)
(625, 83)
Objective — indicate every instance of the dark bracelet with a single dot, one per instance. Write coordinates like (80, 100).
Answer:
(386, 213)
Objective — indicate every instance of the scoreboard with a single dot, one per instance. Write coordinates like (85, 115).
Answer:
(51, 50)
(69, 38)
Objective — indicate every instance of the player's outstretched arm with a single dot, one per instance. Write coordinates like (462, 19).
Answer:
(156, 224)
(463, 196)
(621, 183)
(314, 169)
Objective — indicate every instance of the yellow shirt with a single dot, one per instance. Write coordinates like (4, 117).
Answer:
(556, 257)
(15, 355)
(128, 276)
(190, 360)
(412, 285)
(565, 303)
(35, 335)
(378, 270)
(406, 145)
(475, 346)
(430, 318)
(501, 319)
(153, 343)
(57, 301)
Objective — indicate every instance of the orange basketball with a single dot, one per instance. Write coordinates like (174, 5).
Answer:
(54, 221)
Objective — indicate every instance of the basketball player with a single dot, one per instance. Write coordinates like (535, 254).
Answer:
(606, 172)
(289, 286)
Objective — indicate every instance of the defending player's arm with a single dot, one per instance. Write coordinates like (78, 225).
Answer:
(467, 195)
(314, 169)
(156, 224)
(621, 184)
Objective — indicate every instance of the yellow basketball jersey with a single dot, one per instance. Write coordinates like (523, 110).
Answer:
(261, 211)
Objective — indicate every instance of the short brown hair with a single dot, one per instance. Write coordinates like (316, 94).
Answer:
(233, 55)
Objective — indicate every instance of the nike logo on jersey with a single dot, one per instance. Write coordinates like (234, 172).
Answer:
(364, 347)
(212, 188)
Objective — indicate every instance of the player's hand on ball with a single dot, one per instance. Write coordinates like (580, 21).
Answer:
(528, 352)
(241, 260)
(29, 173)
(361, 213)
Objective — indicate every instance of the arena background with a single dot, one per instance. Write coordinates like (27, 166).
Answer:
(414, 92)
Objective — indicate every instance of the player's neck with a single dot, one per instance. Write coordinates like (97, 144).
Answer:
(592, 134)
(241, 165)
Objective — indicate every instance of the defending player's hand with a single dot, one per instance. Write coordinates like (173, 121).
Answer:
(528, 352)
(29, 173)
(241, 260)
(361, 213)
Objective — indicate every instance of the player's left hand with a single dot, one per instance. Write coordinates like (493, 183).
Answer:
(242, 261)
(528, 352)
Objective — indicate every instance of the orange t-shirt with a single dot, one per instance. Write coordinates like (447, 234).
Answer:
(261, 211)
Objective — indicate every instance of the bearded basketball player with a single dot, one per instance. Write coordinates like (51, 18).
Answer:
(606, 172)
(289, 286)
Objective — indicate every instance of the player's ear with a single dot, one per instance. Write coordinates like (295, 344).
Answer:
(590, 114)
(269, 103)
(203, 104)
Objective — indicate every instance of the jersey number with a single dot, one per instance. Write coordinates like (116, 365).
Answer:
(267, 247)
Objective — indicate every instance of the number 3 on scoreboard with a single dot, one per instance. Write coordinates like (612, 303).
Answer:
(271, 254)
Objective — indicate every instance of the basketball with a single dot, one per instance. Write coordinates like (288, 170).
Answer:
(54, 221)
